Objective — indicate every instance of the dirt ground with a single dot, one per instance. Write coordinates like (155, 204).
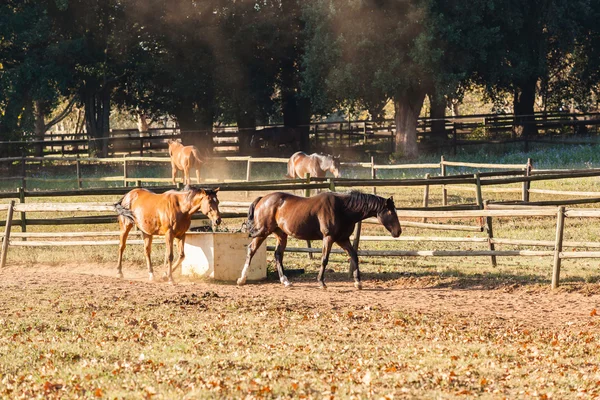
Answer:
(522, 306)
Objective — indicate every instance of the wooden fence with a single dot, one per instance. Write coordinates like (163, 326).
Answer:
(233, 210)
(360, 135)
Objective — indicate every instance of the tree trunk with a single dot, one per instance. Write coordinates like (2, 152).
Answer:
(437, 113)
(40, 127)
(296, 109)
(246, 123)
(97, 113)
(524, 101)
(142, 123)
(407, 108)
(196, 128)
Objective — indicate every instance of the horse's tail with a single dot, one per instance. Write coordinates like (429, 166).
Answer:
(197, 157)
(123, 210)
(250, 222)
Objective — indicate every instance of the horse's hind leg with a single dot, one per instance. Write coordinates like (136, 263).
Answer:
(327, 243)
(252, 248)
(347, 246)
(147, 252)
(186, 176)
(125, 226)
(173, 173)
(279, 249)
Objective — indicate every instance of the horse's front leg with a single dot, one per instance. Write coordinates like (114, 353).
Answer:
(327, 243)
(347, 246)
(168, 255)
(147, 252)
(125, 226)
(181, 257)
(252, 248)
(279, 249)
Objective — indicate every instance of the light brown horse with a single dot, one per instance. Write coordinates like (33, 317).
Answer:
(327, 216)
(315, 164)
(168, 214)
(184, 158)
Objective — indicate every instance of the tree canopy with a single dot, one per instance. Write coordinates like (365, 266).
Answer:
(254, 62)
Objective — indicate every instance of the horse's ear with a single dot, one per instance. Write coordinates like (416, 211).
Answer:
(216, 189)
(390, 202)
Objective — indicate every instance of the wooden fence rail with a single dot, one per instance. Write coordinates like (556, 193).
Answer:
(557, 253)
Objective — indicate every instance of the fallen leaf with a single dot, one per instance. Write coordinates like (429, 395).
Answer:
(593, 312)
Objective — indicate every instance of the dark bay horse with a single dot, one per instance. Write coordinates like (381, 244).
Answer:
(328, 216)
(184, 158)
(315, 164)
(168, 214)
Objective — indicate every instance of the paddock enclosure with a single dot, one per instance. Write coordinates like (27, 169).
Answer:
(491, 290)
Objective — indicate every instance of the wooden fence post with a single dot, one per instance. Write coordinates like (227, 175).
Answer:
(490, 233)
(78, 171)
(527, 184)
(331, 183)
(426, 197)
(124, 172)
(560, 225)
(21, 192)
(23, 172)
(373, 173)
(138, 183)
(9, 216)
(478, 193)
(248, 172)
(307, 194)
(444, 190)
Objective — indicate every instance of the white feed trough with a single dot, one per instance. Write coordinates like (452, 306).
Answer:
(221, 256)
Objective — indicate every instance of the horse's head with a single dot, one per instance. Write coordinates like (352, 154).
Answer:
(335, 166)
(207, 202)
(173, 144)
(388, 218)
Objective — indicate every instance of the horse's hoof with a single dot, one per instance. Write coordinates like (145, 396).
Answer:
(322, 286)
(285, 281)
(120, 275)
(171, 282)
(358, 285)
(151, 277)
(241, 282)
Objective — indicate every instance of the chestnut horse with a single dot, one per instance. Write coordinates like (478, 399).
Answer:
(328, 216)
(184, 158)
(168, 214)
(315, 164)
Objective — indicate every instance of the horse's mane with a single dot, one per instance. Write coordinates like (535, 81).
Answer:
(193, 191)
(363, 203)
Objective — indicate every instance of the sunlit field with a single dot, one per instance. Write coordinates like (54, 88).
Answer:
(425, 327)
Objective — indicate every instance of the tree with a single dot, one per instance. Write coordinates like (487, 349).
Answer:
(367, 51)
